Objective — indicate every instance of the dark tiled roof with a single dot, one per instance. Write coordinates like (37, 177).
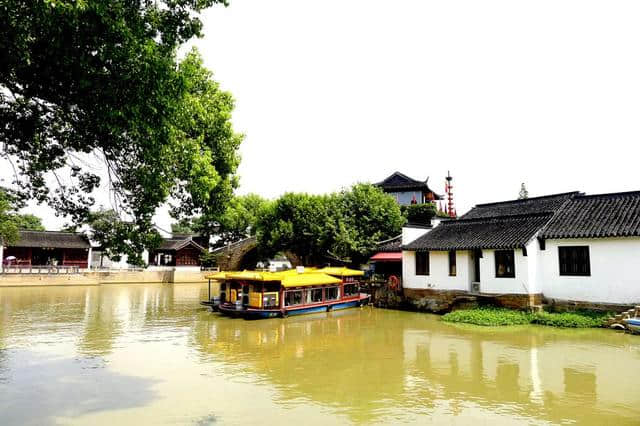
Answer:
(179, 243)
(390, 245)
(536, 205)
(503, 225)
(597, 216)
(51, 239)
(401, 182)
(491, 233)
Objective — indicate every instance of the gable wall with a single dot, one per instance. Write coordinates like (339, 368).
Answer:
(615, 271)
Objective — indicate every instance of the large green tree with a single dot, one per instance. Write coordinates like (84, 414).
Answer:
(8, 225)
(297, 223)
(11, 221)
(29, 222)
(240, 217)
(363, 215)
(344, 226)
(93, 90)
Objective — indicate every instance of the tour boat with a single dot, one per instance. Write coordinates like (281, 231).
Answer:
(633, 324)
(256, 295)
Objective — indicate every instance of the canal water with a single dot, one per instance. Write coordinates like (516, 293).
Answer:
(149, 354)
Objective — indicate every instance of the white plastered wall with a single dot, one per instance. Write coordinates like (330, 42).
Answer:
(615, 271)
(520, 284)
(438, 278)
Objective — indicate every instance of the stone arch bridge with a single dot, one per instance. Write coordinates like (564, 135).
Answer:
(241, 255)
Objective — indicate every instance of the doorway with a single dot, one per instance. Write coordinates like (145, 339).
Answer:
(476, 255)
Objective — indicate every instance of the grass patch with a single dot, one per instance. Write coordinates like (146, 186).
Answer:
(488, 316)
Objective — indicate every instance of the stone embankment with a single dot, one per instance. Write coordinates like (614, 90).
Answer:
(103, 277)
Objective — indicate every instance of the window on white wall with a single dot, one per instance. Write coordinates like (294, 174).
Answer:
(505, 264)
(452, 263)
(574, 261)
(422, 263)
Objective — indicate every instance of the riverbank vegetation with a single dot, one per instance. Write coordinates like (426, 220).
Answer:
(490, 316)
(342, 226)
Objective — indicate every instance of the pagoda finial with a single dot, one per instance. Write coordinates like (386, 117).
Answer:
(448, 187)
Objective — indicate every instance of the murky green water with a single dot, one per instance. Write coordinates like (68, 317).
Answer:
(148, 354)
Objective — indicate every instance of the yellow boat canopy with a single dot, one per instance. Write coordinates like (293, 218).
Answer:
(309, 279)
(255, 276)
(291, 277)
(341, 271)
(218, 276)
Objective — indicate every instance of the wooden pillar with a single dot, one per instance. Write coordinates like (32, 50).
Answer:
(1, 256)
(89, 258)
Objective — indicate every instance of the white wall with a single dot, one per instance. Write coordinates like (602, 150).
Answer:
(615, 271)
(489, 283)
(410, 233)
(438, 277)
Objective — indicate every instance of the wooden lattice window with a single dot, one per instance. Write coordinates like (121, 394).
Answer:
(574, 261)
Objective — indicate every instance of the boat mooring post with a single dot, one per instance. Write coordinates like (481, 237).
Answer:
(209, 289)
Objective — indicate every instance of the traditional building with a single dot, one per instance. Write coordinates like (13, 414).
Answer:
(590, 250)
(408, 191)
(562, 247)
(48, 248)
(179, 250)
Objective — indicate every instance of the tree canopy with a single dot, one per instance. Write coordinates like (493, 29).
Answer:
(99, 83)
(11, 221)
(28, 222)
(117, 238)
(318, 228)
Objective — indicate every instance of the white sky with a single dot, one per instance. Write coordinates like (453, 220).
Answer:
(330, 93)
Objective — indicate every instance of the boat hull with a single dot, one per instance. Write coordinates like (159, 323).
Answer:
(248, 313)
(633, 324)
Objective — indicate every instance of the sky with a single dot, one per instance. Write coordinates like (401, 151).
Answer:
(329, 93)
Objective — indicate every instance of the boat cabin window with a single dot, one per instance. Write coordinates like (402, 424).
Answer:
(293, 298)
(223, 292)
(350, 289)
(333, 293)
(270, 300)
(315, 295)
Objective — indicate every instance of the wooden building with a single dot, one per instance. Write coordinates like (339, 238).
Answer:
(179, 250)
(41, 248)
(408, 191)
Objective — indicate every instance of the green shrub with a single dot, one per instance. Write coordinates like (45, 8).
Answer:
(419, 213)
(500, 316)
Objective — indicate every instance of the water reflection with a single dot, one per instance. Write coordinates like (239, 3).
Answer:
(157, 351)
(40, 390)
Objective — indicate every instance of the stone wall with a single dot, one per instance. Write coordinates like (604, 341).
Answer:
(441, 301)
(559, 305)
(97, 278)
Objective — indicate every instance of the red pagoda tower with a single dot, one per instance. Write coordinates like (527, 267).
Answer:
(448, 187)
